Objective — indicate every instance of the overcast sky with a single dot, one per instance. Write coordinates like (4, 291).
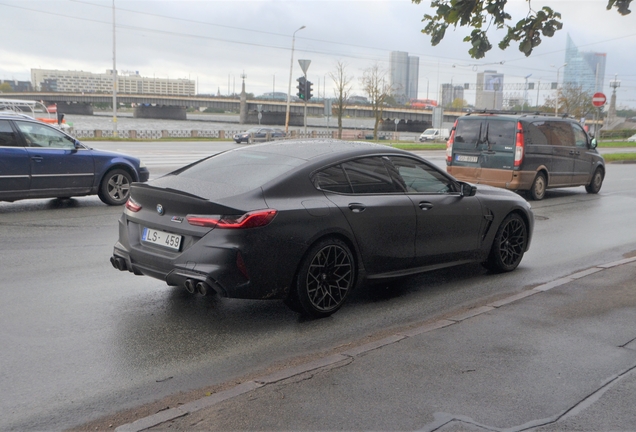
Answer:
(214, 42)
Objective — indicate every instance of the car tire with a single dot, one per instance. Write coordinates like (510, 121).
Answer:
(509, 244)
(597, 181)
(115, 187)
(539, 185)
(324, 280)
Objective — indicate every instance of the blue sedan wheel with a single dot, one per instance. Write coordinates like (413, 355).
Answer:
(115, 187)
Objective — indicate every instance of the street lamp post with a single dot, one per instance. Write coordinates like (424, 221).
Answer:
(556, 107)
(114, 77)
(291, 67)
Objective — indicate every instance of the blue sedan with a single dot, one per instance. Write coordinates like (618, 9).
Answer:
(40, 161)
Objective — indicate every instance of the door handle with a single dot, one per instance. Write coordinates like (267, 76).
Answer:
(424, 205)
(357, 207)
(37, 158)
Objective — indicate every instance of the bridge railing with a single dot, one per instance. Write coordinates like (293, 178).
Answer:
(224, 134)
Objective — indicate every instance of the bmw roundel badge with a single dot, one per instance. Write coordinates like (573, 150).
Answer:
(159, 209)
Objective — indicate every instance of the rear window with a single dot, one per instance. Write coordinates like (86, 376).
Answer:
(244, 170)
(485, 133)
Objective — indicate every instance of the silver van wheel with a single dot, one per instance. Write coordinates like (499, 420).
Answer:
(596, 183)
(537, 192)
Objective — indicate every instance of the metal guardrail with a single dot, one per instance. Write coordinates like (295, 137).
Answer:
(221, 134)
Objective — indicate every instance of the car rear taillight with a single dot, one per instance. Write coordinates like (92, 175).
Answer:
(132, 205)
(449, 145)
(254, 219)
(519, 145)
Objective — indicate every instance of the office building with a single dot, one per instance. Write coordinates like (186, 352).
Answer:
(127, 83)
(584, 69)
(404, 76)
(450, 93)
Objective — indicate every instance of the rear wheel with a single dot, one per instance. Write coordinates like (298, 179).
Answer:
(596, 183)
(537, 192)
(509, 244)
(115, 187)
(325, 278)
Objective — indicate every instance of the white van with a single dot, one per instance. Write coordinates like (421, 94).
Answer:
(434, 135)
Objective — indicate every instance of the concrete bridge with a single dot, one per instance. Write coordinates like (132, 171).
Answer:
(272, 111)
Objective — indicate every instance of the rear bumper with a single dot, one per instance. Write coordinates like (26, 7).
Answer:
(507, 179)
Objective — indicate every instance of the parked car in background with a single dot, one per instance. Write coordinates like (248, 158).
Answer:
(40, 161)
(308, 220)
(434, 135)
(258, 134)
(631, 138)
(528, 153)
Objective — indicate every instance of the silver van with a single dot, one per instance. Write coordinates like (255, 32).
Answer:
(529, 153)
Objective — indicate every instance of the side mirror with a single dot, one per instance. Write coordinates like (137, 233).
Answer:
(466, 189)
(593, 143)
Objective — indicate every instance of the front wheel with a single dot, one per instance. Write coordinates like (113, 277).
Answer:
(325, 278)
(115, 187)
(596, 183)
(537, 192)
(509, 244)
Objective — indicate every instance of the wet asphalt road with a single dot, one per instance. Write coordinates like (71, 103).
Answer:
(81, 340)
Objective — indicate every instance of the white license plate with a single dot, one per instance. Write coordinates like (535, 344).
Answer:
(161, 238)
(464, 158)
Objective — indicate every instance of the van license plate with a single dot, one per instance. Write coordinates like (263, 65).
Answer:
(464, 158)
(161, 238)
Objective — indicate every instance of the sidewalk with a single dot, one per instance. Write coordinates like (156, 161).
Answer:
(560, 356)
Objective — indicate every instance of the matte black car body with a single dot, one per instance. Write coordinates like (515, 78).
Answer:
(391, 215)
(40, 161)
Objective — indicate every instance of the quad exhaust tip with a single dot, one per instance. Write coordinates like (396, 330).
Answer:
(190, 286)
(119, 263)
(200, 287)
(203, 288)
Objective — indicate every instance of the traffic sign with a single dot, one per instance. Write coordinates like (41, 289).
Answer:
(598, 99)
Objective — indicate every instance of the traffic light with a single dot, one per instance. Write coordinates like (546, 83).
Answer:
(309, 95)
(302, 87)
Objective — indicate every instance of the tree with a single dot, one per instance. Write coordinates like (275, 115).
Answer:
(342, 92)
(6, 88)
(373, 83)
(572, 100)
(480, 15)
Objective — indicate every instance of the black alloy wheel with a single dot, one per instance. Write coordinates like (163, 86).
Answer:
(509, 244)
(325, 278)
(115, 187)
(537, 191)
(597, 181)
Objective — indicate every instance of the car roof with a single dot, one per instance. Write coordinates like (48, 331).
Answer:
(308, 149)
(514, 116)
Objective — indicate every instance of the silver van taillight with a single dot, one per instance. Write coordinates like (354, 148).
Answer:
(449, 145)
(519, 145)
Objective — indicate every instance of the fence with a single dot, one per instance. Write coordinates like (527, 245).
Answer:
(221, 134)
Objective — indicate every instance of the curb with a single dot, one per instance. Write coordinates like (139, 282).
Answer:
(345, 356)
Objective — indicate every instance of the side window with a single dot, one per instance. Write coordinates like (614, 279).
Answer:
(7, 136)
(537, 133)
(333, 179)
(580, 137)
(422, 178)
(561, 133)
(369, 176)
(39, 135)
